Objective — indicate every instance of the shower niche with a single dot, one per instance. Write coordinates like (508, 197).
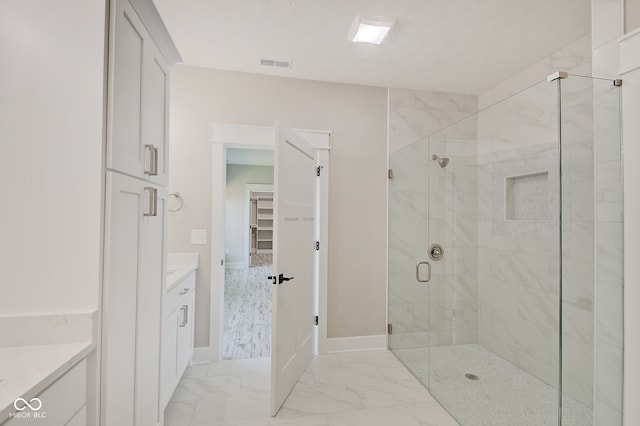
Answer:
(526, 196)
(523, 204)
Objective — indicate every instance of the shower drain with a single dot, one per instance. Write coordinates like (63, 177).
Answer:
(471, 376)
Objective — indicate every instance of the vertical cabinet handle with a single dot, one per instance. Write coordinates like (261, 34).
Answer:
(153, 201)
(153, 160)
(185, 315)
(418, 272)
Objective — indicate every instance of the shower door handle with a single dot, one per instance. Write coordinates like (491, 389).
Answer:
(428, 272)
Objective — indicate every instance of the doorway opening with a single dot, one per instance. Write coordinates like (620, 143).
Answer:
(300, 241)
(248, 254)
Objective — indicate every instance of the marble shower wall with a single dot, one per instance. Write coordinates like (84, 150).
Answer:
(413, 115)
(606, 29)
(518, 259)
(578, 272)
(609, 255)
(416, 114)
(453, 290)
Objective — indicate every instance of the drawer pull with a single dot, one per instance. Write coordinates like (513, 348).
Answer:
(153, 201)
(153, 160)
(185, 315)
(184, 291)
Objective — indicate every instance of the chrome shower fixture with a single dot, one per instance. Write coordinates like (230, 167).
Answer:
(442, 161)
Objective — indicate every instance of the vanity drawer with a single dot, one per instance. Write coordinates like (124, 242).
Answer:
(177, 294)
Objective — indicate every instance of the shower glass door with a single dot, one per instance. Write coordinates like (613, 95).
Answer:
(408, 217)
(493, 314)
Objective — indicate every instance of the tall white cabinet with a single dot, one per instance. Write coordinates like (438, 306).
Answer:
(135, 209)
(138, 144)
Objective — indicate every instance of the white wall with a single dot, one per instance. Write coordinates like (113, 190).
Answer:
(357, 118)
(238, 176)
(51, 133)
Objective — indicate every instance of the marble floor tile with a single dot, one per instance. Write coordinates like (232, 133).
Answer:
(354, 389)
(179, 413)
(247, 313)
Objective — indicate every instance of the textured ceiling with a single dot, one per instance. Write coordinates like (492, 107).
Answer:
(460, 46)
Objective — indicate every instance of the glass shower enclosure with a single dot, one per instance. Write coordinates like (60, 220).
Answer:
(505, 259)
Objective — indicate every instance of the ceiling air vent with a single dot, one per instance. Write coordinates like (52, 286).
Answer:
(275, 63)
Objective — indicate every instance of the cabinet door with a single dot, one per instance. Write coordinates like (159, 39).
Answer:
(152, 270)
(170, 327)
(185, 332)
(138, 99)
(155, 112)
(132, 300)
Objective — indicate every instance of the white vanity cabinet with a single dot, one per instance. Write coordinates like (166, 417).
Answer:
(137, 141)
(177, 333)
(64, 402)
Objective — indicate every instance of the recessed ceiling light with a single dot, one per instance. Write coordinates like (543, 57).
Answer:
(369, 29)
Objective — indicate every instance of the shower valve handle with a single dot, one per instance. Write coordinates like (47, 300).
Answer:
(420, 280)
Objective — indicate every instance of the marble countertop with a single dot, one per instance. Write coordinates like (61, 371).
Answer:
(25, 371)
(179, 265)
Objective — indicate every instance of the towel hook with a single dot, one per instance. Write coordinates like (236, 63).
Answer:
(179, 198)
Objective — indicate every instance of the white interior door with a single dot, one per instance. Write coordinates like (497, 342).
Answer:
(293, 258)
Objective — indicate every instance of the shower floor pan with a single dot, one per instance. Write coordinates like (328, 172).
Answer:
(478, 388)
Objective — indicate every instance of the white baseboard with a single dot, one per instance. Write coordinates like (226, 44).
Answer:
(235, 265)
(204, 355)
(357, 343)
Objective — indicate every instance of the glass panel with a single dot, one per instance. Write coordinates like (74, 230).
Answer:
(592, 236)
(408, 211)
(493, 298)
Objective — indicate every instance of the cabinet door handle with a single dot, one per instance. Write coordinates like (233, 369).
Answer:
(185, 315)
(184, 291)
(153, 201)
(153, 160)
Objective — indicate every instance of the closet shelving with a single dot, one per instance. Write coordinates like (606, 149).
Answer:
(264, 224)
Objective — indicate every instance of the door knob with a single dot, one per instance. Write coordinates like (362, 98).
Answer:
(280, 278)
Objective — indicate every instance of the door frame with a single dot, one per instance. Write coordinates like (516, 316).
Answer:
(225, 135)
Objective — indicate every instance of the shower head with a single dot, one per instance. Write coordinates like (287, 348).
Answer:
(442, 161)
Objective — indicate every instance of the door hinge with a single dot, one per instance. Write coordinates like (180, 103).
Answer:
(390, 173)
(389, 329)
(317, 245)
(318, 170)
(316, 320)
